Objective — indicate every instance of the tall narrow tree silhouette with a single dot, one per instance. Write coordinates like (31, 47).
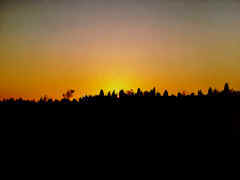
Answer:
(101, 94)
(165, 94)
(114, 95)
(153, 92)
(210, 92)
(226, 88)
(215, 92)
(43, 99)
(200, 93)
(139, 92)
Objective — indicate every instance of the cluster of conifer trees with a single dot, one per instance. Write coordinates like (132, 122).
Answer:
(122, 96)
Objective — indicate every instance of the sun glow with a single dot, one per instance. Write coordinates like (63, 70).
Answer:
(49, 48)
(117, 85)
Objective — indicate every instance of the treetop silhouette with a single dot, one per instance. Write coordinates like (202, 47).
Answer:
(124, 96)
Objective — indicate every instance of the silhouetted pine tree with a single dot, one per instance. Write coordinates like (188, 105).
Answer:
(139, 92)
(101, 94)
(200, 93)
(165, 94)
(121, 93)
(210, 92)
(226, 90)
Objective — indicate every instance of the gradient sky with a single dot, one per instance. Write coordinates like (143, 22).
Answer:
(50, 46)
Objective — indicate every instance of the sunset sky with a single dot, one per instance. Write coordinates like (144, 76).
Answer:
(50, 46)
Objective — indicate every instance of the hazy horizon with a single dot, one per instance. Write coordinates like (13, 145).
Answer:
(50, 46)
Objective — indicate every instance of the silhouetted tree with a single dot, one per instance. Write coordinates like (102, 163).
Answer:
(43, 99)
(226, 89)
(165, 94)
(153, 92)
(139, 92)
(114, 95)
(69, 94)
(215, 92)
(50, 101)
(101, 94)
(146, 93)
(121, 93)
(200, 93)
(210, 92)
(75, 101)
(179, 95)
(113, 98)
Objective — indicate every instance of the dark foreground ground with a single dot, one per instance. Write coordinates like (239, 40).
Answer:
(154, 116)
(236, 124)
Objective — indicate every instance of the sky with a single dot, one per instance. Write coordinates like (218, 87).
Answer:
(50, 46)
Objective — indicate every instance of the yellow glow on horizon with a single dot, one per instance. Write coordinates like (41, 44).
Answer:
(117, 86)
(47, 49)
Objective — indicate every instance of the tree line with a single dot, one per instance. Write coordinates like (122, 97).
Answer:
(125, 97)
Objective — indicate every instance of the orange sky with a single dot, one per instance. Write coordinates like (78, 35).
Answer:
(48, 48)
